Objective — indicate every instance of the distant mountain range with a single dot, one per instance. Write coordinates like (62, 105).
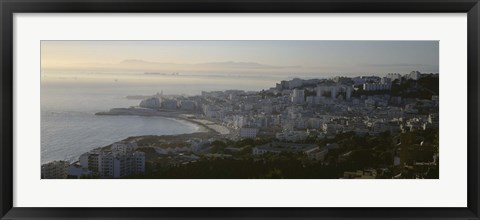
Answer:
(234, 68)
(133, 65)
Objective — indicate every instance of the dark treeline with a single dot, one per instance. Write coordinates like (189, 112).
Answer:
(353, 153)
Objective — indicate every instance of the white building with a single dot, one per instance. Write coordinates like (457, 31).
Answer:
(332, 128)
(333, 91)
(314, 123)
(127, 164)
(348, 92)
(394, 76)
(55, 170)
(386, 80)
(124, 147)
(376, 86)
(415, 75)
(114, 164)
(298, 96)
(106, 164)
(187, 105)
(169, 104)
(211, 111)
(433, 119)
(248, 132)
(371, 79)
(295, 83)
(358, 80)
(153, 103)
(91, 161)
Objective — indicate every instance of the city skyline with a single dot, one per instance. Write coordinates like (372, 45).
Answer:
(366, 127)
(240, 109)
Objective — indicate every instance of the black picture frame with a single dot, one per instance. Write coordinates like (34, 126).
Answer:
(9, 7)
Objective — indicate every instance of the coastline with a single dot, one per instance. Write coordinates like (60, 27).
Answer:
(209, 126)
(203, 128)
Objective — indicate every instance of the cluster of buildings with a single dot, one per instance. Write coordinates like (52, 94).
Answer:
(120, 160)
(292, 111)
(158, 101)
(295, 109)
(55, 170)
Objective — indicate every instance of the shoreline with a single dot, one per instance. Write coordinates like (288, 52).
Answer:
(209, 126)
(202, 127)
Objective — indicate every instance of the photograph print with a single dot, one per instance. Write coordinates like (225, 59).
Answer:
(267, 109)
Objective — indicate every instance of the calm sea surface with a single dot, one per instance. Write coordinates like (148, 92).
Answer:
(69, 126)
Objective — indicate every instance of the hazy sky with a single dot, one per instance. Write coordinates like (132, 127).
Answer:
(345, 57)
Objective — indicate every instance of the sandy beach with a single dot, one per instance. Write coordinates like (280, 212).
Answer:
(212, 125)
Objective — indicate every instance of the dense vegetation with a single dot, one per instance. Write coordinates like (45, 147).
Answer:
(353, 153)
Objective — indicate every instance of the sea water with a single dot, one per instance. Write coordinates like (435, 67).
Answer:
(69, 126)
